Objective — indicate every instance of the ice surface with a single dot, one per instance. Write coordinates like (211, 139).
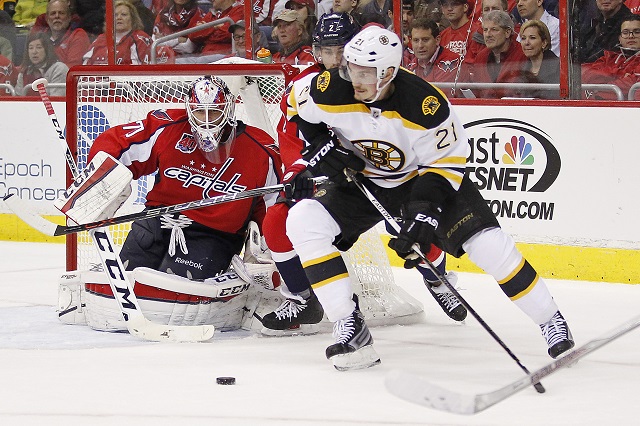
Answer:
(54, 374)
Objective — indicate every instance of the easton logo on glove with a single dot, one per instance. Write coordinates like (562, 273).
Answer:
(323, 151)
(420, 217)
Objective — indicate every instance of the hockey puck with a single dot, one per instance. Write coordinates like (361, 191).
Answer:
(226, 380)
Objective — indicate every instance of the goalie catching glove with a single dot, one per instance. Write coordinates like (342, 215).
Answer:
(98, 192)
(419, 223)
(326, 157)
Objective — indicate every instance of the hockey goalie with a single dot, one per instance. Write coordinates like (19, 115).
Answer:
(184, 267)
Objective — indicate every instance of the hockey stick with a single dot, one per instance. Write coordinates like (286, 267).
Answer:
(22, 210)
(419, 391)
(39, 86)
(396, 227)
(121, 288)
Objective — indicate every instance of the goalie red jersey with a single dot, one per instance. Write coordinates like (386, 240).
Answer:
(164, 142)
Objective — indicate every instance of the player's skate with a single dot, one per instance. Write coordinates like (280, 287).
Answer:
(354, 345)
(294, 316)
(447, 300)
(558, 336)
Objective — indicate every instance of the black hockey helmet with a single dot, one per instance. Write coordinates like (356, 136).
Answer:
(334, 29)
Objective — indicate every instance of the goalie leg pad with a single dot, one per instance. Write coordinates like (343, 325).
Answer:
(98, 192)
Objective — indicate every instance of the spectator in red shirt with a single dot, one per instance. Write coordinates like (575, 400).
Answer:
(8, 75)
(132, 44)
(290, 32)
(70, 41)
(458, 36)
(503, 56)
(176, 16)
(432, 62)
(620, 66)
(217, 40)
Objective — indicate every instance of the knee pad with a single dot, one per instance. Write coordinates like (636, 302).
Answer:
(494, 251)
(310, 222)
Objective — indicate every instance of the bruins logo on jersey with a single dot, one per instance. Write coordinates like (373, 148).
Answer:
(430, 105)
(323, 81)
(382, 155)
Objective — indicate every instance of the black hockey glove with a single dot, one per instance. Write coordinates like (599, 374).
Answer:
(326, 157)
(298, 183)
(419, 223)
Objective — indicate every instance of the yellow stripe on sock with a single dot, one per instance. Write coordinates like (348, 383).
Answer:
(320, 259)
(526, 290)
(330, 280)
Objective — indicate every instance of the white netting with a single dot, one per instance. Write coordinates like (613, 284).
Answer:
(115, 97)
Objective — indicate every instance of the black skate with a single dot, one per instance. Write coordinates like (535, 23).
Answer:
(447, 300)
(354, 345)
(558, 336)
(294, 316)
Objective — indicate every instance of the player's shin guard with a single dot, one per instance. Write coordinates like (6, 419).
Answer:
(495, 252)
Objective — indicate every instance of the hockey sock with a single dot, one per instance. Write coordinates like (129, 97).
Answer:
(439, 260)
(293, 275)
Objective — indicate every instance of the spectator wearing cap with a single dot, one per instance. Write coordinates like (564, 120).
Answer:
(290, 32)
(238, 34)
(306, 10)
(217, 40)
(532, 9)
(501, 59)
(458, 36)
(176, 16)
(70, 41)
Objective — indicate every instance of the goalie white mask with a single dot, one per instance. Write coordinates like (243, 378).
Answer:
(211, 111)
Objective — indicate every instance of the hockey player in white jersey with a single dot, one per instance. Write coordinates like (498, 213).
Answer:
(401, 133)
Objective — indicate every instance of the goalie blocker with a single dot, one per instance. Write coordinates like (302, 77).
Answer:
(98, 192)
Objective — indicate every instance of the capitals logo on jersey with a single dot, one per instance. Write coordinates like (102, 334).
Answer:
(187, 144)
(448, 66)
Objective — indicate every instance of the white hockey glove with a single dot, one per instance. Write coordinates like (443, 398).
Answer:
(102, 187)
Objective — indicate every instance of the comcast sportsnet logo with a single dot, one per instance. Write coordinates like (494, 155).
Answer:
(511, 155)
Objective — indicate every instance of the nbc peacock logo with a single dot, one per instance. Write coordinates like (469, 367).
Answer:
(518, 151)
(511, 155)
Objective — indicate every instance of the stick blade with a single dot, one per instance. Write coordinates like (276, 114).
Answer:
(26, 214)
(147, 330)
(415, 389)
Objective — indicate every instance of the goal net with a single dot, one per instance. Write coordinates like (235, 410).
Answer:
(102, 97)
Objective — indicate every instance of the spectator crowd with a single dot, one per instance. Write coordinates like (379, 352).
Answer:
(462, 41)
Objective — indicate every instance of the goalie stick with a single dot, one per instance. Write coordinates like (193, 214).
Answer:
(418, 390)
(121, 288)
(416, 248)
(22, 210)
